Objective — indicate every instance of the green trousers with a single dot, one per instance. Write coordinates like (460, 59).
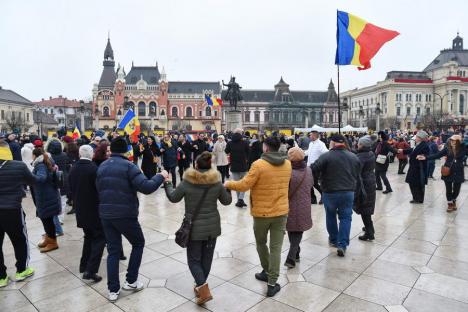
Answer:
(270, 258)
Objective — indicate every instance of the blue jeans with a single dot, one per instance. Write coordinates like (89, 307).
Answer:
(58, 226)
(340, 203)
(131, 230)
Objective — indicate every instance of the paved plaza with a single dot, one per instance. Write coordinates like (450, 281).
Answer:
(418, 262)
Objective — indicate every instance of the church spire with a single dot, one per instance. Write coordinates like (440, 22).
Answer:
(108, 52)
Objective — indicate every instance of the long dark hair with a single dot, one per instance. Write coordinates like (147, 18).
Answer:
(457, 149)
(38, 151)
(72, 151)
(101, 151)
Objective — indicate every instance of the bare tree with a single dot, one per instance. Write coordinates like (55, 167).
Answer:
(16, 123)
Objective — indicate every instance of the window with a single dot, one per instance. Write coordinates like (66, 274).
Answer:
(152, 109)
(418, 110)
(428, 97)
(285, 117)
(141, 109)
(105, 111)
(174, 111)
(277, 116)
(51, 110)
(188, 111)
(2, 113)
(247, 116)
(408, 97)
(398, 97)
(266, 116)
(27, 116)
(60, 111)
(398, 111)
(257, 116)
(200, 113)
(408, 111)
(46, 111)
(208, 111)
(163, 112)
(12, 115)
(418, 97)
(428, 110)
(216, 113)
(330, 116)
(461, 106)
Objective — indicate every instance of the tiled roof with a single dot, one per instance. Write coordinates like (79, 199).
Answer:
(298, 96)
(396, 74)
(193, 86)
(150, 74)
(445, 56)
(10, 96)
(59, 102)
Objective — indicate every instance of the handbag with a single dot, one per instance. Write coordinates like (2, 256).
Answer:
(381, 159)
(182, 236)
(445, 171)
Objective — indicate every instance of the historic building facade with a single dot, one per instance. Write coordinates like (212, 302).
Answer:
(405, 99)
(283, 109)
(16, 112)
(68, 113)
(158, 103)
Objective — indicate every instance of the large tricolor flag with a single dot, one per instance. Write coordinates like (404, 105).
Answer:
(358, 41)
(131, 125)
(212, 101)
(76, 133)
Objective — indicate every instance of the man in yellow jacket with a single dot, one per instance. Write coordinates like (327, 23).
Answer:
(268, 180)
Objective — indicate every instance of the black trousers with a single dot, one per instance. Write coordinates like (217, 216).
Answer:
(452, 190)
(317, 186)
(224, 171)
(93, 247)
(49, 227)
(417, 191)
(172, 171)
(182, 168)
(381, 175)
(200, 258)
(368, 224)
(12, 223)
(294, 242)
(401, 165)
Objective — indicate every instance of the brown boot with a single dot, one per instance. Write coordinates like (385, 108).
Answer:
(43, 242)
(450, 207)
(204, 294)
(51, 245)
(195, 290)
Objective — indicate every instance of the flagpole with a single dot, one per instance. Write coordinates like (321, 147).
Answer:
(339, 104)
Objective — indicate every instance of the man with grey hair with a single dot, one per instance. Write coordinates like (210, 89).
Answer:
(238, 149)
(82, 180)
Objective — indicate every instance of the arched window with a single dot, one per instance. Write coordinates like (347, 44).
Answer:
(208, 111)
(330, 117)
(152, 108)
(105, 111)
(462, 104)
(174, 111)
(188, 111)
(141, 109)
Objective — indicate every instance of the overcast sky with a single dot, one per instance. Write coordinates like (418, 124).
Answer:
(56, 47)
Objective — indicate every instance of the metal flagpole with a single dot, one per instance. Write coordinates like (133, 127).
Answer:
(339, 104)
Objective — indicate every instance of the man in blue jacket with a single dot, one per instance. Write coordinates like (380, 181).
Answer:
(118, 181)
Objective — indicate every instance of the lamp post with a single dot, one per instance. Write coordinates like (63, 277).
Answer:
(377, 113)
(96, 118)
(345, 109)
(441, 103)
(38, 110)
(82, 109)
(361, 115)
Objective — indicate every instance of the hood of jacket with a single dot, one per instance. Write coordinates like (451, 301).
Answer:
(236, 137)
(194, 176)
(40, 159)
(54, 146)
(29, 146)
(275, 158)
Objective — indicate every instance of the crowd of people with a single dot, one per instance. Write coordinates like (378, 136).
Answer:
(98, 180)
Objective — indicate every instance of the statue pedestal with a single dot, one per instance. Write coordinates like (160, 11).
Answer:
(233, 120)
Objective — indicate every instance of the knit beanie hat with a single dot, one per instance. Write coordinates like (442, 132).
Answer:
(422, 134)
(67, 139)
(119, 145)
(295, 154)
(365, 141)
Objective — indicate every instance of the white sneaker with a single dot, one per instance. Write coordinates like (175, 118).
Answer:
(137, 286)
(113, 296)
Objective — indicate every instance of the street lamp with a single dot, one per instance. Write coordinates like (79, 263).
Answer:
(441, 103)
(345, 109)
(377, 113)
(39, 119)
(361, 115)
(82, 109)
(96, 118)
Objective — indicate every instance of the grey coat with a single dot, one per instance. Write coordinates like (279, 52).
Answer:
(208, 223)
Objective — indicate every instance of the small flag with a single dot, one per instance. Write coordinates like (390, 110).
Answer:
(212, 101)
(130, 152)
(358, 41)
(76, 133)
(131, 125)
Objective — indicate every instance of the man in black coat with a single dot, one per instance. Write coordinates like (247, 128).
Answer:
(238, 149)
(82, 180)
(417, 171)
(199, 146)
(13, 175)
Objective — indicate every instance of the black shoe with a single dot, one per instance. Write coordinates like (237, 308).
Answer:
(364, 229)
(379, 189)
(262, 276)
(92, 276)
(298, 258)
(273, 290)
(367, 237)
(341, 252)
(239, 204)
(416, 202)
(82, 270)
(123, 258)
(313, 201)
(290, 263)
(320, 202)
(243, 203)
(71, 211)
(387, 191)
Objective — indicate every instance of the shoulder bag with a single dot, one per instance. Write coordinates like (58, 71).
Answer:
(445, 171)
(182, 236)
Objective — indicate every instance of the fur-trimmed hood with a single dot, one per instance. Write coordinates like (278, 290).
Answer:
(211, 176)
(53, 146)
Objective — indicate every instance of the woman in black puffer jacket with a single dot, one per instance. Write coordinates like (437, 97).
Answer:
(365, 205)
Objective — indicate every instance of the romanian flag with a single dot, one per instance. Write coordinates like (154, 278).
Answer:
(131, 125)
(212, 101)
(358, 41)
(76, 133)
